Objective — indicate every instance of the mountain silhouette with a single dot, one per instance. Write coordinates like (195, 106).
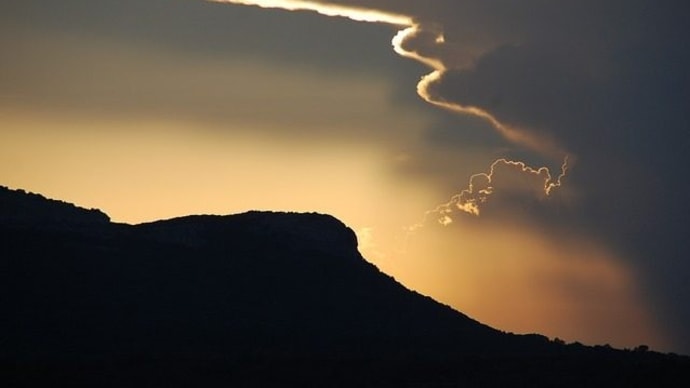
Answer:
(253, 299)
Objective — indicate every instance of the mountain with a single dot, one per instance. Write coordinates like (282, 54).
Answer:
(253, 299)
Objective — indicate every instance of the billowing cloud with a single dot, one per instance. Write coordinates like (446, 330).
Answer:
(539, 183)
(424, 42)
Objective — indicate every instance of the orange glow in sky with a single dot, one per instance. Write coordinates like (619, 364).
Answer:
(515, 276)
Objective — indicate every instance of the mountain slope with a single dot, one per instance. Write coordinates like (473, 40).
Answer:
(252, 299)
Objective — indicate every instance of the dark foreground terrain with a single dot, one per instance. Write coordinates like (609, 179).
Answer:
(251, 300)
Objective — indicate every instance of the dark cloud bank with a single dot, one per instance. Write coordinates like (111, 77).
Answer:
(605, 81)
(608, 81)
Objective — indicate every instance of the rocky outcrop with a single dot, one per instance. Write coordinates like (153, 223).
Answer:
(319, 232)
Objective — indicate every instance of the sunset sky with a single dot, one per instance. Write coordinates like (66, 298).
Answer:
(522, 161)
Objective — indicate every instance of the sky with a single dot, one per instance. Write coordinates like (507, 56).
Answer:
(523, 162)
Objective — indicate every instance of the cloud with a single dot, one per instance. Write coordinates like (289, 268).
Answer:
(530, 183)
(356, 13)
(74, 69)
(606, 82)
(424, 42)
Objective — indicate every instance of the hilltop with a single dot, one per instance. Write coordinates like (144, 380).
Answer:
(252, 299)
